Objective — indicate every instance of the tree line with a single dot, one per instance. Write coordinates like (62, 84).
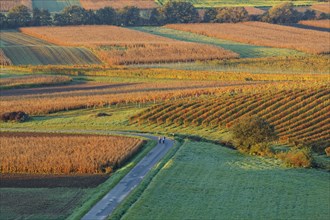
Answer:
(171, 12)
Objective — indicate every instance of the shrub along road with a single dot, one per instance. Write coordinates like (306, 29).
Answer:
(111, 200)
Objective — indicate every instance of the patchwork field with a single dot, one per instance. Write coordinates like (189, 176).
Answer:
(299, 115)
(205, 181)
(117, 45)
(244, 50)
(264, 34)
(22, 49)
(317, 23)
(97, 4)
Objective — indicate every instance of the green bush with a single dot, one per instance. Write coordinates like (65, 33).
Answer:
(252, 131)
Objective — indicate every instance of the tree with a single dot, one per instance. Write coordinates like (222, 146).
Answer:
(308, 15)
(179, 12)
(281, 14)
(156, 17)
(106, 15)
(210, 15)
(3, 21)
(251, 131)
(231, 15)
(130, 16)
(36, 17)
(45, 18)
(75, 15)
(60, 19)
(19, 16)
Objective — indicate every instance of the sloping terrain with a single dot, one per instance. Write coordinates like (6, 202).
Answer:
(22, 49)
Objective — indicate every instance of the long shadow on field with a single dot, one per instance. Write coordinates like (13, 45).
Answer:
(62, 88)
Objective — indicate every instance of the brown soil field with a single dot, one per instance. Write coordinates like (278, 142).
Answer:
(264, 34)
(117, 4)
(6, 5)
(42, 153)
(117, 45)
(317, 23)
(50, 181)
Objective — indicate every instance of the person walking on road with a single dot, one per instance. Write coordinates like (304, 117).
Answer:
(164, 140)
(159, 140)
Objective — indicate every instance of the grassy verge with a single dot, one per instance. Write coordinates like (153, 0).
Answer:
(205, 181)
(138, 191)
(97, 193)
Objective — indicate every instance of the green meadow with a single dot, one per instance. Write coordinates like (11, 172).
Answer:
(208, 181)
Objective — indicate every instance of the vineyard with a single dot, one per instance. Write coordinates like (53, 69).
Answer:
(117, 45)
(64, 154)
(264, 34)
(29, 81)
(93, 95)
(317, 23)
(22, 49)
(298, 114)
(244, 50)
(97, 4)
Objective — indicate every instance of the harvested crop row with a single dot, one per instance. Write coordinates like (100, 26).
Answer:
(317, 23)
(117, 45)
(97, 4)
(64, 154)
(264, 34)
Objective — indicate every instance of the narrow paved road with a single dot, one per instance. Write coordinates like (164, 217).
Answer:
(110, 201)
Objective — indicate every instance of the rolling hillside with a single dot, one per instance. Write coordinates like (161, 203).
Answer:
(22, 49)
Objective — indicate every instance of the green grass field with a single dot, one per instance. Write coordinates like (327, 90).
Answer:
(244, 50)
(207, 181)
(54, 5)
(223, 3)
(22, 49)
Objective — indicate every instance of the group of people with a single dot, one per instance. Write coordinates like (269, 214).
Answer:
(161, 140)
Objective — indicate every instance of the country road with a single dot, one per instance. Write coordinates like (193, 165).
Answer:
(112, 199)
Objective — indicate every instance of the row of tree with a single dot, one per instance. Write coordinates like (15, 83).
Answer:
(171, 12)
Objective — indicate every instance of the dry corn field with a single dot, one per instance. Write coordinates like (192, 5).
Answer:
(325, 7)
(317, 23)
(117, 45)
(14, 82)
(6, 5)
(117, 4)
(264, 34)
(38, 153)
